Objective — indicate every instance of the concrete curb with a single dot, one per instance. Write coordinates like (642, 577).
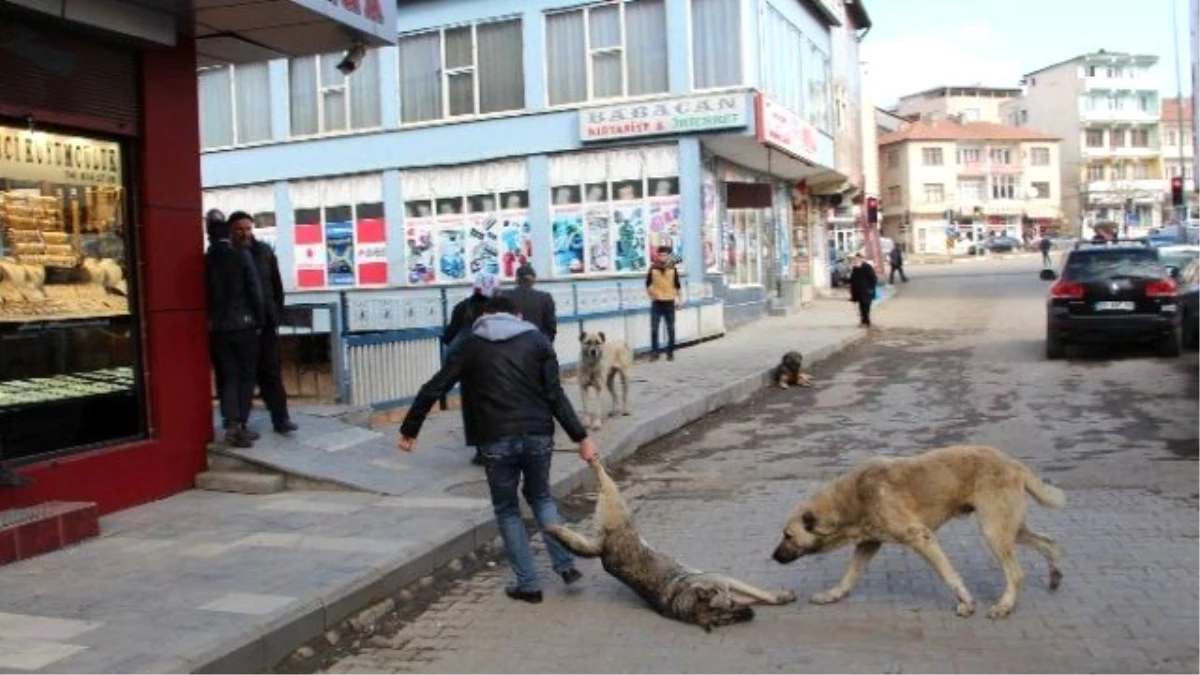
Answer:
(264, 647)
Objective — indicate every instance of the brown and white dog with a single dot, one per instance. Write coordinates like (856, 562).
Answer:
(905, 500)
(789, 372)
(601, 361)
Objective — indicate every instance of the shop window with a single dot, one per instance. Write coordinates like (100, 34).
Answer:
(340, 233)
(324, 100)
(610, 50)
(473, 69)
(460, 221)
(716, 43)
(712, 221)
(235, 106)
(69, 349)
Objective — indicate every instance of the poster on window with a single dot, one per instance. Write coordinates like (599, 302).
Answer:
(339, 246)
(566, 223)
(420, 255)
(712, 228)
(629, 224)
(310, 249)
(663, 217)
(483, 244)
(516, 237)
(370, 245)
(599, 238)
(451, 225)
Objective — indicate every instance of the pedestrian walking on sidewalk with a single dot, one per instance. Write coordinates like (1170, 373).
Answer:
(896, 260)
(462, 318)
(516, 396)
(664, 290)
(1044, 245)
(270, 362)
(235, 314)
(862, 288)
(536, 307)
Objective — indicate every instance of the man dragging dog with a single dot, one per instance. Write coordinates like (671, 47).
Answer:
(511, 372)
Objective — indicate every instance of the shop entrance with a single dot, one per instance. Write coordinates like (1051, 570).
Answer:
(751, 247)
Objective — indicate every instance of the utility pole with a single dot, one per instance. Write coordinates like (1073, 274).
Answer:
(1177, 217)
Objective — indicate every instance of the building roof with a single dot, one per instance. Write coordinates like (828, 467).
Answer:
(964, 90)
(1170, 111)
(1100, 56)
(954, 130)
(858, 14)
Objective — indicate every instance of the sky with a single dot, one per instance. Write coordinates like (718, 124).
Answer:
(915, 45)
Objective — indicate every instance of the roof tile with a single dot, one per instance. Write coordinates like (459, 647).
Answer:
(953, 130)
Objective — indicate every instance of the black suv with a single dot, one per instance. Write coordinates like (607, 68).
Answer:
(1117, 291)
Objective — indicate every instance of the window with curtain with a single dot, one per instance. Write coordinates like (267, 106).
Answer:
(474, 69)
(607, 51)
(323, 100)
(235, 105)
(784, 60)
(716, 43)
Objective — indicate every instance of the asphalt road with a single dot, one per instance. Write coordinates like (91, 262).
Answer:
(956, 358)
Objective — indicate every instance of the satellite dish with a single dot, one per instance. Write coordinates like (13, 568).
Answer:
(1031, 192)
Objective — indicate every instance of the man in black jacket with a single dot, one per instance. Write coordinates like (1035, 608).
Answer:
(235, 312)
(515, 395)
(536, 307)
(270, 366)
(862, 288)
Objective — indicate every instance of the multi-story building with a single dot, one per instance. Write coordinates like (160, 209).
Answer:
(1105, 107)
(576, 137)
(949, 183)
(1179, 149)
(973, 103)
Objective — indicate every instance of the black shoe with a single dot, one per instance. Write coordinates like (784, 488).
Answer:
(286, 427)
(532, 597)
(477, 460)
(12, 479)
(570, 575)
(249, 433)
(235, 439)
(670, 357)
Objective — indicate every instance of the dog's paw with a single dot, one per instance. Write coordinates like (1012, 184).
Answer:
(783, 385)
(825, 598)
(1056, 576)
(785, 597)
(965, 609)
(625, 412)
(999, 611)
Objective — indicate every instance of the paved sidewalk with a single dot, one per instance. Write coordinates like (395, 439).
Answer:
(215, 582)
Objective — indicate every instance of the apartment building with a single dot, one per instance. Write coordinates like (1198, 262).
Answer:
(948, 183)
(1106, 108)
(974, 103)
(575, 137)
(1179, 148)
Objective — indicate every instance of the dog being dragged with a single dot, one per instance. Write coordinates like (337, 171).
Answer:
(672, 589)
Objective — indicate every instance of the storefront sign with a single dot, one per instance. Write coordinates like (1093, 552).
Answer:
(375, 17)
(71, 160)
(781, 128)
(671, 116)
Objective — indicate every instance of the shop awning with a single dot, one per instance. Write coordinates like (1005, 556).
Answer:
(235, 31)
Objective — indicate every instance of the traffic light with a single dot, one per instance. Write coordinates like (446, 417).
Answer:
(872, 210)
(1177, 191)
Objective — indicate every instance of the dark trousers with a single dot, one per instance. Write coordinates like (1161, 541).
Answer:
(864, 312)
(270, 375)
(1045, 258)
(660, 311)
(892, 276)
(236, 363)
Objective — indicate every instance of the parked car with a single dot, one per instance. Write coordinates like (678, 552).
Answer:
(1113, 292)
(1177, 257)
(1189, 303)
(1002, 244)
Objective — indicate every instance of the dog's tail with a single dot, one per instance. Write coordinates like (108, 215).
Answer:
(1045, 494)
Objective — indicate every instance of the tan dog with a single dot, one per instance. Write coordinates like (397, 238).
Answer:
(906, 500)
(789, 372)
(601, 361)
(674, 590)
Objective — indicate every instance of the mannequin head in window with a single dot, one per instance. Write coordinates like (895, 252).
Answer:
(566, 194)
(597, 192)
(664, 187)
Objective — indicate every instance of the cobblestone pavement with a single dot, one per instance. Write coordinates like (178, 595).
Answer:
(956, 358)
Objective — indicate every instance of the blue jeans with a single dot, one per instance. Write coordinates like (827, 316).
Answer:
(662, 311)
(506, 461)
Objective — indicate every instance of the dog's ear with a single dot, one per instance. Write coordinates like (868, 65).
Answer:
(602, 338)
(582, 336)
(809, 521)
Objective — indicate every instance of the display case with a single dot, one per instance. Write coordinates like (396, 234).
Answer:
(69, 364)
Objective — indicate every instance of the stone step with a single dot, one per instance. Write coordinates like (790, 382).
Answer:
(221, 462)
(49, 526)
(244, 482)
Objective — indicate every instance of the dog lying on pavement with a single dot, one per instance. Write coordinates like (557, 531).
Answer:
(672, 589)
(906, 500)
(601, 361)
(788, 372)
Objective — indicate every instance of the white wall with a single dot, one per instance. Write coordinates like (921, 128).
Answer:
(1052, 101)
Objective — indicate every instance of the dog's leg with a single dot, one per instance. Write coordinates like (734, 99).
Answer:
(863, 553)
(805, 380)
(921, 540)
(1047, 547)
(1000, 523)
(625, 392)
(746, 594)
(590, 402)
(611, 511)
(612, 391)
(574, 542)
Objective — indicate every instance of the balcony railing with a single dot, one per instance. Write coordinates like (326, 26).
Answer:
(1005, 169)
(977, 168)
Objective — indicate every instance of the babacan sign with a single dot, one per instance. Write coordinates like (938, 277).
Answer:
(666, 116)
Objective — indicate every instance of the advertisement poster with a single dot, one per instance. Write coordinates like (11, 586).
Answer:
(452, 254)
(370, 245)
(483, 244)
(712, 228)
(629, 222)
(516, 241)
(599, 239)
(339, 246)
(664, 225)
(567, 226)
(420, 257)
(310, 249)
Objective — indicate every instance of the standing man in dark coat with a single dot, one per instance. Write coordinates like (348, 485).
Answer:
(462, 318)
(270, 363)
(896, 261)
(862, 288)
(534, 306)
(235, 313)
